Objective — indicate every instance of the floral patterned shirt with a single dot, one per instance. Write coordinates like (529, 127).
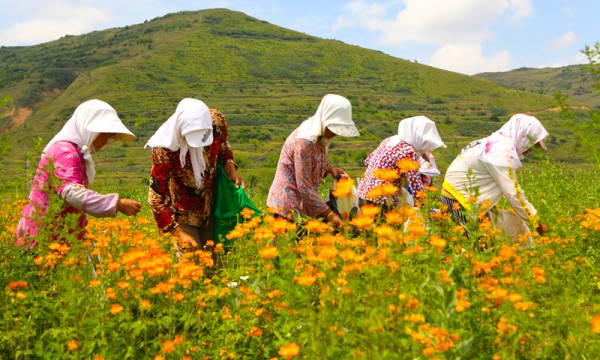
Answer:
(301, 168)
(62, 171)
(386, 157)
(173, 195)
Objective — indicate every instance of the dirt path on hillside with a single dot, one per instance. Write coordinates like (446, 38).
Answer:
(17, 118)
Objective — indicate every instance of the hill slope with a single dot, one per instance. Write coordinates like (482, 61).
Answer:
(264, 78)
(574, 81)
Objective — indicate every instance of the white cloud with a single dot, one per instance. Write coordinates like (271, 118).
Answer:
(50, 22)
(432, 21)
(520, 9)
(564, 41)
(469, 59)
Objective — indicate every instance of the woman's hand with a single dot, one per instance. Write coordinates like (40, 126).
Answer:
(185, 240)
(332, 218)
(233, 175)
(542, 229)
(128, 207)
(336, 171)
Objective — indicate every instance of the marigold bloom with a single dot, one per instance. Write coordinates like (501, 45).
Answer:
(370, 210)
(386, 175)
(178, 296)
(21, 295)
(116, 309)
(437, 242)
(343, 187)
(268, 252)
(72, 345)
(306, 280)
(145, 305)
(316, 226)
(168, 346)
(596, 324)
(247, 213)
(254, 331)
(362, 221)
(14, 285)
(289, 351)
(407, 164)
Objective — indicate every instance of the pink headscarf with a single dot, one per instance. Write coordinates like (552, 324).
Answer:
(506, 146)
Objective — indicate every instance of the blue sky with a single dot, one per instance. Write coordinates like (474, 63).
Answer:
(465, 36)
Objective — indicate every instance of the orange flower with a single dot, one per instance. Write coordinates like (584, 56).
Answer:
(145, 305)
(142, 220)
(247, 213)
(289, 351)
(407, 164)
(268, 252)
(21, 295)
(168, 346)
(254, 331)
(178, 296)
(115, 309)
(14, 285)
(343, 187)
(316, 226)
(370, 210)
(306, 280)
(596, 324)
(72, 345)
(437, 242)
(388, 189)
(362, 221)
(386, 175)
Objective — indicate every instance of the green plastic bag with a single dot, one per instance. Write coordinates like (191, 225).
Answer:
(228, 202)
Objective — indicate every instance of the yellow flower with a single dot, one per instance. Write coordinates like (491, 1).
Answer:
(289, 351)
(21, 296)
(343, 187)
(386, 175)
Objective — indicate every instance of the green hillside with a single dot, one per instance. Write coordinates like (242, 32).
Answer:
(264, 78)
(574, 81)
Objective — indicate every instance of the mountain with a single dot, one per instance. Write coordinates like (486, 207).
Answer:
(265, 79)
(574, 81)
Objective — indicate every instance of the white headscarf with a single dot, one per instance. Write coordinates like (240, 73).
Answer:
(420, 133)
(334, 112)
(191, 115)
(89, 120)
(506, 147)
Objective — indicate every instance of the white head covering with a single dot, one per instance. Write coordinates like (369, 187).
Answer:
(89, 120)
(334, 112)
(190, 116)
(506, 146)
(420, 133)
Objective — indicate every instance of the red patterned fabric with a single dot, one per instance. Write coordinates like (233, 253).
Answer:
(386, 157)
(173, 195)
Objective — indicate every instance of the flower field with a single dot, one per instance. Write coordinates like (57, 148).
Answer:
(404, 285)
